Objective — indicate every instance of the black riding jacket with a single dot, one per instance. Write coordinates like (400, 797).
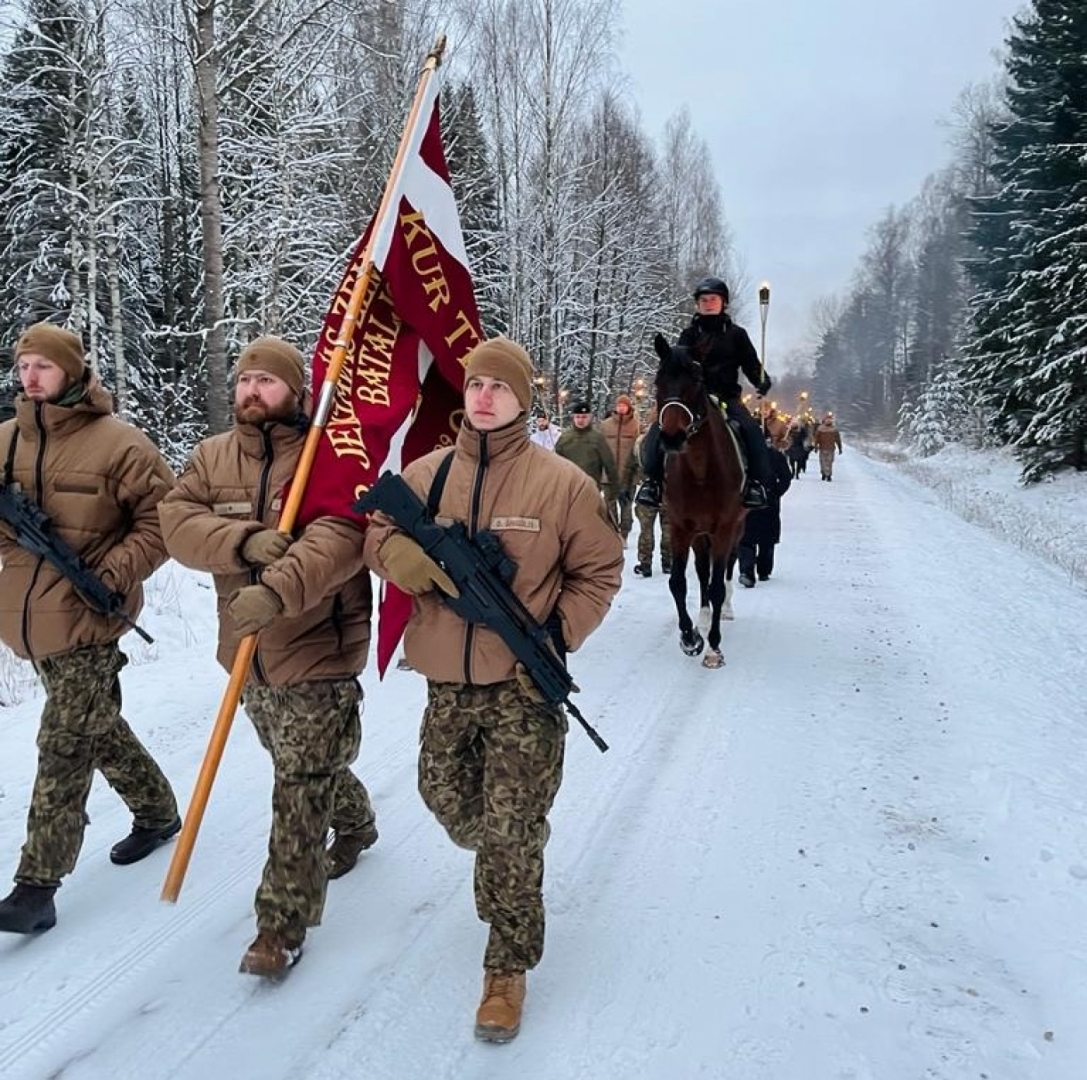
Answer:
(724, 350)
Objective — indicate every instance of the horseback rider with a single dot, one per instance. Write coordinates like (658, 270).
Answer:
(724, 350)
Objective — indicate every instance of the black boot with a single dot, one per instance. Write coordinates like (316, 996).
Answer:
(747, 579)
(643, 570)
(141, 842)
(28, 909)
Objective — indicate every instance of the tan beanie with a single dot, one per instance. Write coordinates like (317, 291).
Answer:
(500, 358)
(276, 356)
(60, 346)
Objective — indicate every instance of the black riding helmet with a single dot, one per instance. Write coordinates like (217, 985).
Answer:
(711, 285)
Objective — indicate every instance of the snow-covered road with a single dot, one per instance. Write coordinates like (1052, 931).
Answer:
(857, 851)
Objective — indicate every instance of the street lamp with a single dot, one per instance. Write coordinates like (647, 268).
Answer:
(764, 310)
(563, 394)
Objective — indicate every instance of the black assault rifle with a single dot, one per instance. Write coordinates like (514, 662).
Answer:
(34, 532)
(482, 571)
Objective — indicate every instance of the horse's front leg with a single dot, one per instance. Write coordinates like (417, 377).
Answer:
(690, 640)
(717, 592)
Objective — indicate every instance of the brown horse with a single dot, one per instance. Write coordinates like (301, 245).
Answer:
(703, 482)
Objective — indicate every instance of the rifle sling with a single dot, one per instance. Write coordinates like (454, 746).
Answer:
(9, 464)
(437, 486)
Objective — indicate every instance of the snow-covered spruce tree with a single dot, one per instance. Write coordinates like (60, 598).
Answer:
(1055, 384)
(1024, 321)
(941, 414)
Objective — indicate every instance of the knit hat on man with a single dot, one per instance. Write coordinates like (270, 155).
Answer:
(276, 356)
(62, 347)
(500, 358)
(624, 399)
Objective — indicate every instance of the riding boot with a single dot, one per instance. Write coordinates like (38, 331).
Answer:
(758, 468)
(649, 494)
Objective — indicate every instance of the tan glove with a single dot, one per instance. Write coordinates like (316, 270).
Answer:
(252, 608)
(264, 547)
(410, 568)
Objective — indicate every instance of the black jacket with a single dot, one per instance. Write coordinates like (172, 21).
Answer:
(724, 350)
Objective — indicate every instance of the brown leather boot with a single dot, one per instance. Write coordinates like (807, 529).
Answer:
(270, 956)
(498, 1018)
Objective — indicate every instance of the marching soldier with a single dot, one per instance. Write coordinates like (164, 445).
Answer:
(99, 480)
(309, 599)
(491, 752)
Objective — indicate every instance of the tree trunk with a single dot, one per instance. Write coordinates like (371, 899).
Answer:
(116, 320)
(211, 215)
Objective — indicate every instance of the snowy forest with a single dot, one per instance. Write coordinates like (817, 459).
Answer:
(966, 320)
(178, 179)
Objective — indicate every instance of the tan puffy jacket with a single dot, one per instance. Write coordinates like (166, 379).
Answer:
(99, 480)
(620, 433)
(827, 437)
(552, 523)
(231, 488)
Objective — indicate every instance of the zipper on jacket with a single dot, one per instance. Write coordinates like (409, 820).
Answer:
(262, 503)
(473, 525)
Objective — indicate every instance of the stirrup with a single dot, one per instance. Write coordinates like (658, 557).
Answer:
(649, 495)
(755, 496)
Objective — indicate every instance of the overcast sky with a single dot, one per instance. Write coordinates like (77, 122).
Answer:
(819, 115)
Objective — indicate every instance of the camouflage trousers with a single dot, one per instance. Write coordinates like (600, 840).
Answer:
(82, 730)
(647, 516)
(313, 732)
(490, 766)
(826, 462)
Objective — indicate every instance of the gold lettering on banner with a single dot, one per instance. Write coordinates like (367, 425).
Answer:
(464, 326)
(376, 359)
(343, 430)
(424, 260)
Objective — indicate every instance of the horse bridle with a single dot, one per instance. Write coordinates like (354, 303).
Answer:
(695, 420)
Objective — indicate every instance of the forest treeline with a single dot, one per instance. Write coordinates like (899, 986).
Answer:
(176, 179)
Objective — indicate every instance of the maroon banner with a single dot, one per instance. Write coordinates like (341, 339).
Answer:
(404, 369)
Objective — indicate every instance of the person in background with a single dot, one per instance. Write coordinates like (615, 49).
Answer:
(99, 481)
(587, 448)
(827, 439)
(762, 528)
(620, 431)
(544, 433)
(491, 749)
(647, 515)
(308, 597)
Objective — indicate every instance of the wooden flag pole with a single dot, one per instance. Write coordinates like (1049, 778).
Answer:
(243, 660)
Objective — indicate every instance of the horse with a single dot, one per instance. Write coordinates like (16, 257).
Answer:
(703, 484)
